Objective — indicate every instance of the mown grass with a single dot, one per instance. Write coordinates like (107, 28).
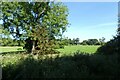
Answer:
(10, 48)
(71, 49)
(66, 50)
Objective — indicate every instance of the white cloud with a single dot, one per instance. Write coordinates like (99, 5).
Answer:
(107, 24)
(104, 25)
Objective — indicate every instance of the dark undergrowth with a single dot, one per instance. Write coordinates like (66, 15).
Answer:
(82, 66)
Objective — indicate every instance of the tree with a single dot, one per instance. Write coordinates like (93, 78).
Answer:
(70, 41)
(102, 40)
(76, 41)
(90, 42)
(12, 17)
(26, 20)
(84, 42)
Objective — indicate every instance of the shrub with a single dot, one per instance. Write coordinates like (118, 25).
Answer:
(82, 66)
(111, 47)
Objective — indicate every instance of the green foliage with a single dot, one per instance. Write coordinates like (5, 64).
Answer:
(38, 22)
(102, 41)
(42, 43)
(84, 42)
(66, 42)
(91, 42)
(11, 42)
(12, 16)
(111, 47)
(82, 66)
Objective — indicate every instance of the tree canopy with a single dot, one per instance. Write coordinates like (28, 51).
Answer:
(34, 20)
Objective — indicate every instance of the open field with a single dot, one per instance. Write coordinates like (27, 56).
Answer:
(66, 50)
(10, 49)
(81, 48)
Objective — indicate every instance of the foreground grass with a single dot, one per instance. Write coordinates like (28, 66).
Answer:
(94, 66)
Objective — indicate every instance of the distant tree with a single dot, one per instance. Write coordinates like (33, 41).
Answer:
(84, 42)
(92, 41)
(74, 41)
(77, 41)
(70, 41)
(102, 40)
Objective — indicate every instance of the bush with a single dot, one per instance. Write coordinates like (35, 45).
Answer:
(110, 47)
(82, 66)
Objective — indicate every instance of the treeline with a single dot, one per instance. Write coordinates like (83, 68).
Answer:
(76, 41)
(11, 42)
(101, 41)
(60, 43)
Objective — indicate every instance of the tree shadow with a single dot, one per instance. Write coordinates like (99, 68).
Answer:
(82, 66)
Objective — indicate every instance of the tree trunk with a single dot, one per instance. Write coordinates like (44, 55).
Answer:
(33, 46)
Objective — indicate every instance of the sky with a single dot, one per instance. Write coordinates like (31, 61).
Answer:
(92, 20)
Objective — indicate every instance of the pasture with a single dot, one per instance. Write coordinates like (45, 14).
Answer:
(82, 48)
(66, 50)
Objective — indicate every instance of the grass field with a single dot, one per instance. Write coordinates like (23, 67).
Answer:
(81, 48)
(66, 50)
(10, 49)
(23, 66)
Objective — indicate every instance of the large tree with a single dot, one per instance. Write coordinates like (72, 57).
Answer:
(33, 20)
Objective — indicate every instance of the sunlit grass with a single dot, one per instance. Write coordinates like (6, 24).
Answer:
(86, 49)
(10, 49)
(67, 49)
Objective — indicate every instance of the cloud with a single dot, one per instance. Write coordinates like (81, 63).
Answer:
(104, 25)
(107, 24)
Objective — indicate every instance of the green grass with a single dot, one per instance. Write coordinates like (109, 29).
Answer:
(10, 49)
(66, 50)
(25, 67)
(81, 48)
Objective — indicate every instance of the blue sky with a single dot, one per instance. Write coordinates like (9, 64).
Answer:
(92, 20)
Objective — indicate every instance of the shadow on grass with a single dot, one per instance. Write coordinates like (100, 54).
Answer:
(82, 66)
